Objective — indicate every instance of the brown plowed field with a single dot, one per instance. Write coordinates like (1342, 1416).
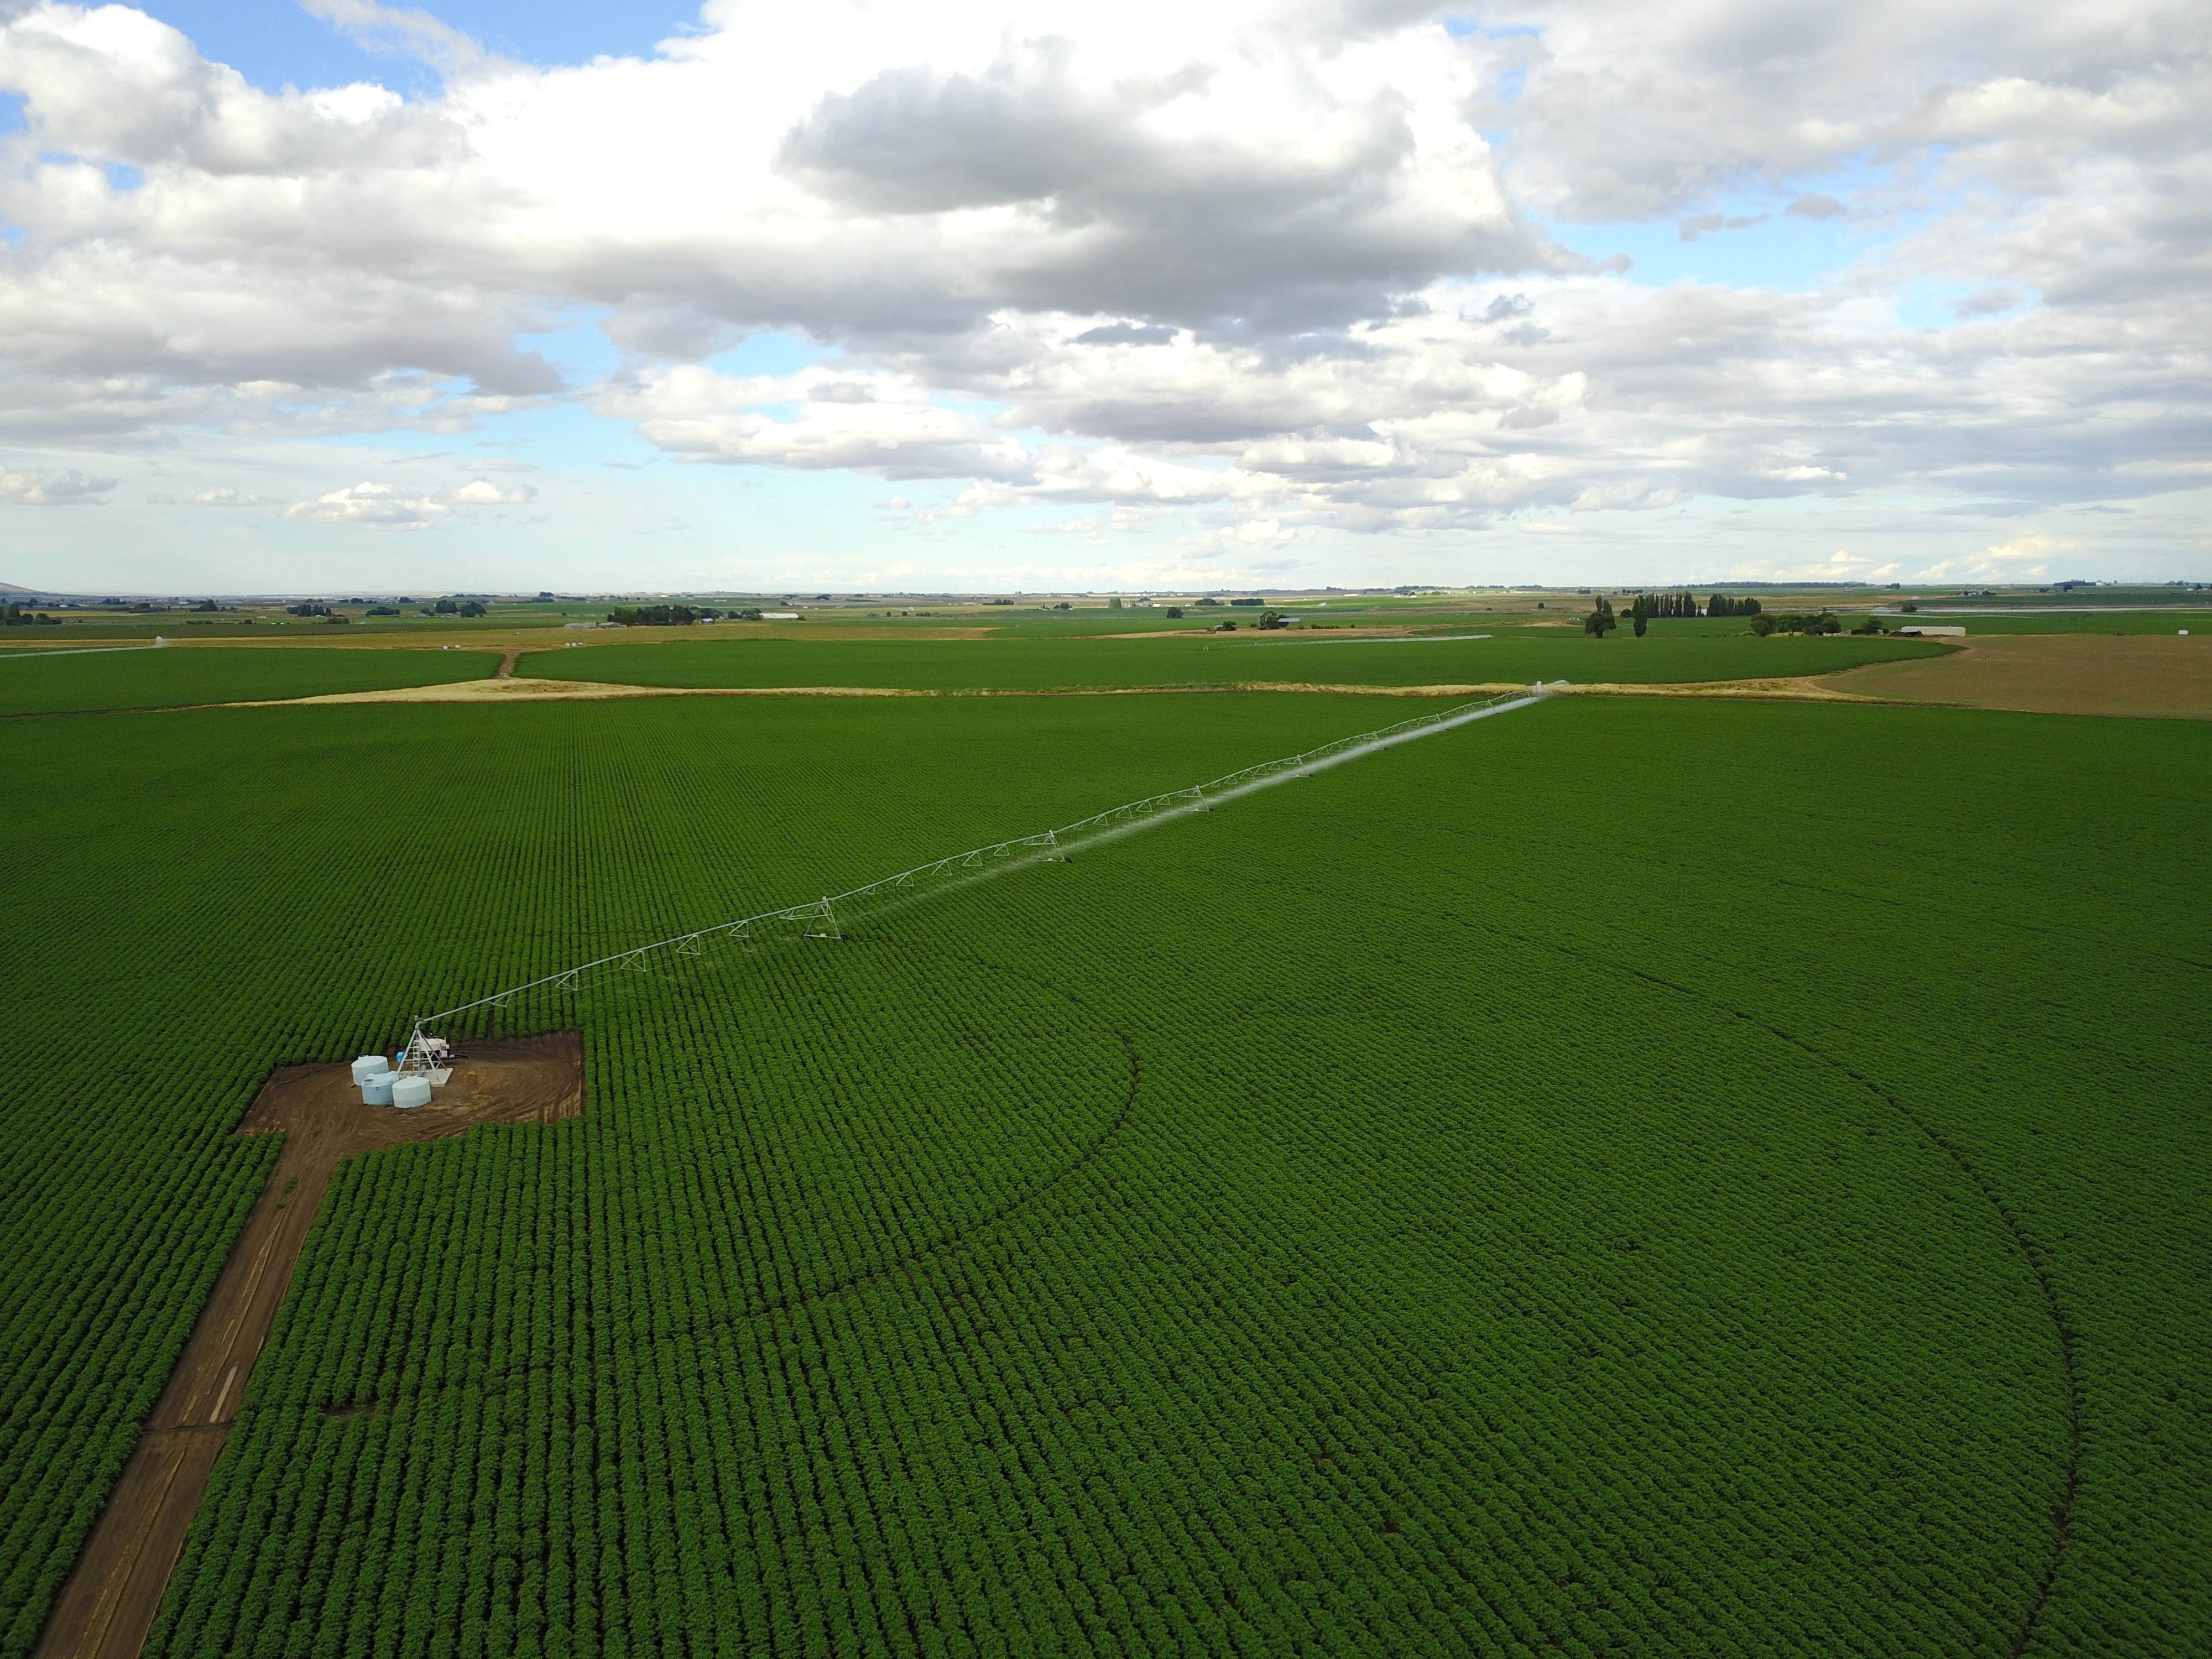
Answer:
(2155, 675)
(108, 1605)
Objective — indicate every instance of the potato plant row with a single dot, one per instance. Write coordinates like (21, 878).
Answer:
(1378, 1326)
(1509, 1245)
(1234, 1384)
(234, 903)
(146, 678)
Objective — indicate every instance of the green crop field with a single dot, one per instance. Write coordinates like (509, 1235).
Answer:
(2059, 621)
(83, 681)
(1514, 656)
(1617, 1177)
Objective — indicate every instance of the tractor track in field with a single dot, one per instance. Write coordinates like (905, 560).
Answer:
(108, 1605)
(786, 1304)
(2062, 1514)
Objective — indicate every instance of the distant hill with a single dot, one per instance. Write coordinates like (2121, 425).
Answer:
(44, 595)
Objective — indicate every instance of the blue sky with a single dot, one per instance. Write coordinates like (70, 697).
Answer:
(942, 296)
(276, 43)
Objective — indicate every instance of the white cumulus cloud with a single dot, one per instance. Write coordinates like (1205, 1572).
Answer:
(1268, 261)
(388, 507)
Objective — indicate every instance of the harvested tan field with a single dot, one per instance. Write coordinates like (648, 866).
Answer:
(107, 1606)
(2155, 675)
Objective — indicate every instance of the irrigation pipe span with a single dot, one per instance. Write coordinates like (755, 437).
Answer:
(818, 918)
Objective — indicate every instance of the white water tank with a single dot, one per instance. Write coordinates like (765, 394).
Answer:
(369, 1066)
(377, 1090)
(411, 1091)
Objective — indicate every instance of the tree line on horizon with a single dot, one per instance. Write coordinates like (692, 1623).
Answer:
(1602, 620)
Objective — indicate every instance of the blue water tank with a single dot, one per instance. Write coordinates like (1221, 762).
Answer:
(368, 1065)
(377, 1090)
(413, 1089)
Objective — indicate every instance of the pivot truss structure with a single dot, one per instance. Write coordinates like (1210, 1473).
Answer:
(824, 918)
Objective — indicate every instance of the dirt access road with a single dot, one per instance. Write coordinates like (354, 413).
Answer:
(1805, 687)
(107, 1606)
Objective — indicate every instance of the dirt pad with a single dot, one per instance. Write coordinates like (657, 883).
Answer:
(107, 1606)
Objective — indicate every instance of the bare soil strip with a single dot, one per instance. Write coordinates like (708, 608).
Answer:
(1805, 689)
(107, 1606)
(2153, 675)
(548, 691)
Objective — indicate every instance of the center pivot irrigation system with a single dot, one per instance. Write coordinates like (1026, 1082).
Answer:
(824, 918)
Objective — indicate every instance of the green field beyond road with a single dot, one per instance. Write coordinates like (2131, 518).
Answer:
(1611, 1177)
(1517, 657)
(81, 681)
(2057, 621)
